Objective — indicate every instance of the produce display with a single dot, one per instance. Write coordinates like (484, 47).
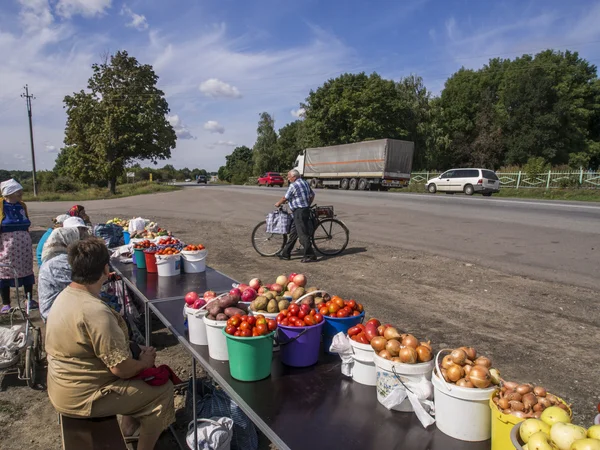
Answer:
(193, 300)
(553, 430)
(276, 297)
(249, 326)
(167, 251)
(123, 223)
(144, 244)
(193, 248)
(147, 234)
(465, 368)
(299, 316)
(223, 307)
(169, 241)
(525, 400)
(338, 307)
(390, 344)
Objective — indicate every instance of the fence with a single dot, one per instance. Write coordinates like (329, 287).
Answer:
(521, 180)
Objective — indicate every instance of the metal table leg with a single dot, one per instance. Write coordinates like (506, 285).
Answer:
(194, 412)
(148, 322)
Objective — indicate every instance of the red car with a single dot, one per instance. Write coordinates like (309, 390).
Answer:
(271, 179)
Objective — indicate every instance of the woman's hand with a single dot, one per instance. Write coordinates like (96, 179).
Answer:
(148, 356)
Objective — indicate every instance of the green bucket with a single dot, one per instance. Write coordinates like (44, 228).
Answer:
(250, 357)
(140, 259)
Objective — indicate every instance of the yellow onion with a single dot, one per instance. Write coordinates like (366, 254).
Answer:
(458, 356)
(393, 346)
(410, 341)
(464, 383)
(480, 377)
(483, 361)
(408, 355)
(455, 373)
(424, 353)
(447, 362)
(385, 354)
(471, 352)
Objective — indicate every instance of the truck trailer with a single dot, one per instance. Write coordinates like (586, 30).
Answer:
(368, 165)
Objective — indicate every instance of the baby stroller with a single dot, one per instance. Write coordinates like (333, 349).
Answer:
(20, 344)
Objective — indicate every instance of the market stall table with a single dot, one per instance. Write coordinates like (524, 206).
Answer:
(314, 407)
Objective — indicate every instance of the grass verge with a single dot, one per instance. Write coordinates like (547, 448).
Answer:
(124, 190)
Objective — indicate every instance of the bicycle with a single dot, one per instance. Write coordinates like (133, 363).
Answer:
(330, 235)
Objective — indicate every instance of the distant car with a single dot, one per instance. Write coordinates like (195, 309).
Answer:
(469, 181)
(271, 179)
(202, 179)
(187, 180)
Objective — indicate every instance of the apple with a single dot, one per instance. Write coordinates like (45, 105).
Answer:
(291, 277)
(281, 280)
(263, 290)
(255, 283)
(199, 303)
(291, 286)
(300, 280)
(242, 287)
(208, 295)
(532, 426)
(190, 298)
(236, 294)
(564, 434)
(554, 414)
(540, 441)
(593, 432)
(277, 288)
(248, 295)
(586, 444)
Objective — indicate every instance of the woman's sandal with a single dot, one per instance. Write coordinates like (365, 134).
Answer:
(134, 437)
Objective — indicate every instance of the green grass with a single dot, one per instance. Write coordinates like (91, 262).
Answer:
(582, 195)
(123, 190)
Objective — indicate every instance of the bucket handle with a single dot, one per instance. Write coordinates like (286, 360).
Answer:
(275, 337)
(214, 422)
(196, 314)
(400, 380)
(309, 294)
(438, 368)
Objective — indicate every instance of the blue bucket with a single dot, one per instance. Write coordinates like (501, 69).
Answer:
(126, 237)
(333, 325)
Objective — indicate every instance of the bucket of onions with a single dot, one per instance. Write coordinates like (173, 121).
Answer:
(465, 368)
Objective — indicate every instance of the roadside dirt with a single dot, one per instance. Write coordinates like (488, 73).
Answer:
(534, 331)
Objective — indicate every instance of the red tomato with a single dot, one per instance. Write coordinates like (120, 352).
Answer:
(309, 321)
(351, 303)
(324, 311)
(305, 308)
(244, 326)
(237, 333)
(285, 312)
(338, 301)
(255, 332)
(348, 310)
(353, 331)
(356, 313)
(361, 326)
(244, 318)
(271, 325)
(236, 320)
(359, 307)
(261, 329)
(285, 322)
(301, 314)
(362, 338)
(252, 320)
(342, 313)
(333, 308)
(319, 318)
(280, 317)
(313, 312)
(374, 322)
(246, 333)
(261, 320)
(294, 309)
(230, 329)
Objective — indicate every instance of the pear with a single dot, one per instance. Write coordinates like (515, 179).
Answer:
(564, 434)
(594, 432)
(554, 414)
(540, 441)
(532, 426)
(586, 444)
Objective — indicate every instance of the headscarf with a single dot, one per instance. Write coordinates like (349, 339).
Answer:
(58, 242)
(9, 187)
(75, 211)
(73, 222)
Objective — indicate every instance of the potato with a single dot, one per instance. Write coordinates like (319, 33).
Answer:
(226, 301)
(272, 306)
(310, 301)
(211, 317)
(222, 316)
(213, 308)
(261, 302)
(283, 304)
(232, 311)
(312, 289)
(243, 307)
(319, 300)
(269, 295)
(298, 292)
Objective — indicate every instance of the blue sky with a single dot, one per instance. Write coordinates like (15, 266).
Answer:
(223, 62)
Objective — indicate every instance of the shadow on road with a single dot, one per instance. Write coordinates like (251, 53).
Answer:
(347, 252)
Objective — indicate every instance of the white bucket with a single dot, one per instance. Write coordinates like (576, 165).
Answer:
(387, 381)
(194, 261)
(196, 326)
(462, 413)
(217, 342)
(168, 265)
(363, 370)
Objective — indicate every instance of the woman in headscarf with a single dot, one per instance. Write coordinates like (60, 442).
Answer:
(55, 273)
(58, 221)
(79, 211)
(15, 244)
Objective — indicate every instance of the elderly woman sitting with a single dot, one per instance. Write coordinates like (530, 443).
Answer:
(91, 370)
(55, 273)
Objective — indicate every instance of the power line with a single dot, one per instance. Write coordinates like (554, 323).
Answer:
(28, 97)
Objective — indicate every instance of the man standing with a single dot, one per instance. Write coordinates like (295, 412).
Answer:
(300, 196)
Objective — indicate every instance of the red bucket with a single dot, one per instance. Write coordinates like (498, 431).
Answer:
(150, 262)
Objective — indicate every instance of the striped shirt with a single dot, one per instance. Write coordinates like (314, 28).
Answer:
(299, 194)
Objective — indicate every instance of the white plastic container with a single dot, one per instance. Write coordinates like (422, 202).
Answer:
(462, 413)
(217, 342)
(194, 261)
(196, 326)
(387, 381)
(168, 265)
(363, 370)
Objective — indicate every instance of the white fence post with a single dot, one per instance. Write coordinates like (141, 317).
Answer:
(580, 176)
(519, 179)
(548, 182)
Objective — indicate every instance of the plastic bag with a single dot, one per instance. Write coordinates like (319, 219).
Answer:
(419, 391)
(213, 434)
(111, 234)
(279, 222)
(137, 224)
(340, 344)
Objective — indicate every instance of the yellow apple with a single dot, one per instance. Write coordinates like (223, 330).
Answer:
(594, 432)
(586, 444)
(540, 441)
(532, 426)
(564, 434)
(554, 414)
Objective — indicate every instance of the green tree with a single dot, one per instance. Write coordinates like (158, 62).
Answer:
(265, 149)
(121, 119)
(238, 166)
(289, 145)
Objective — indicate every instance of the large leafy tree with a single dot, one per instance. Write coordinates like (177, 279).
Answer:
(238, 166)
(265, 148)
(121, 118)
(289, 145)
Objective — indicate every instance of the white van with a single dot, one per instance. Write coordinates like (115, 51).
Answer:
(469, 181)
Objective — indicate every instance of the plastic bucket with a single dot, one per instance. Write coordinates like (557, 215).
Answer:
(462, 413)
(363, 370)
(168, 265)
(334, 325)
(388, 373)
(139, 257)
(196, 326)
(299, 345)
(150, 258)
(217, 343)
(194, 261)
(126, 237)
(250, 357)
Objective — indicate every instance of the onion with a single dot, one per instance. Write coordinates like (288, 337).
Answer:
(396, 359)
(495, 374)
(495, 399)
(539, 391)
(483, 361)
(393, 346)
(445, 375)
(410, 341)
(516, 406)
(523, 389)
(385, 354)
(467, 369)
(519, 414)
(510, 385)
(471, 352)
(544, 402)
(424, 353)
(538, 407)
(514, 396)
(503, 403)
(480, 377)
(455, 373)
(552, 398)
(458, 356)
(507, 411)
(529, 400)
(378, 343)
(561, 405)
(408, 355)
(464, 383)
(427, 344)
(391, 333)
(447, 362)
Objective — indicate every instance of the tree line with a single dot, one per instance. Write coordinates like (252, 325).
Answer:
(542, 110)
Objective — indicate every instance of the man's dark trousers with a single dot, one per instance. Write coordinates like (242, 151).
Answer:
(301, 229)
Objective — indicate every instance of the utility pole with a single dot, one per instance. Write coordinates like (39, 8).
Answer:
(28, 97)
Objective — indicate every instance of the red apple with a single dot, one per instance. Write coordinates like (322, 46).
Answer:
(199, 303)
(281, 280)
(299, 280)
(291, 277)
(236, 294)
(263, 290)
(242, 287)
(277, 288)
(190, 298)
(209, 294)
(255, 283)
(291, 286)
(248, 295)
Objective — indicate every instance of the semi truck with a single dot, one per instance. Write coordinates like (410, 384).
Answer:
(369, 165)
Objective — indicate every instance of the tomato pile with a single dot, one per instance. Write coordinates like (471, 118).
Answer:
(168, 241)
(193, 248)
(299, 316)
(338, 307)
(249, 326)
(143, 244)
(365, 333)
(168, 251)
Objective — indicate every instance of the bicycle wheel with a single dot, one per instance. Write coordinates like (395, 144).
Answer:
(331, 237)
(267, 244)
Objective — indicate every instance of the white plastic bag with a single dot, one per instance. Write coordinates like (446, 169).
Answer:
(419, 391)
(213, 434)
(340, 344)
(137, 224)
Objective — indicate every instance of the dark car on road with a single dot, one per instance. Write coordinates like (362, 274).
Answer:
(271, 179)
(202, 179)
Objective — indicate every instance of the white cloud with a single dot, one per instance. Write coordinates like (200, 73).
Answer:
(225, 143)
(86, 8)
(138, 21)
(214, 87)
(298, 112)
(181, 130)
(35, 14)
(214, 127)
(51, 148)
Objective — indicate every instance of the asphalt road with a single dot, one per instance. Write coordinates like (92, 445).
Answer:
(556, 241)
